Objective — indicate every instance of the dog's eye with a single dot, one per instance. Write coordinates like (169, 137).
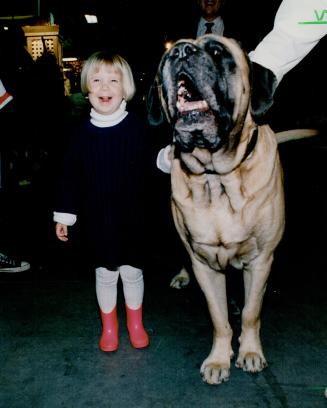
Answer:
(214, 49)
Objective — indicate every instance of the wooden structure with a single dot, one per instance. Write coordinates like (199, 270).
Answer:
(39, 37)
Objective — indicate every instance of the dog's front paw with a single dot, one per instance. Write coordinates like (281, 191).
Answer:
(214, 373)
(252, 362)
(180, 280)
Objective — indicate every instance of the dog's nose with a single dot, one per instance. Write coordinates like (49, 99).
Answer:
(183, 50)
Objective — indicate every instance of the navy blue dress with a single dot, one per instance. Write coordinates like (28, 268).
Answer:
(104, 182)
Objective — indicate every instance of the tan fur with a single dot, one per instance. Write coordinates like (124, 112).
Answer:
(235, 218)
(295, 134)
(228, 210)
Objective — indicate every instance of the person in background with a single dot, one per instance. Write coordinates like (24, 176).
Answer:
(211, 20)
(103, 183)
(204, 16)
(8, 264)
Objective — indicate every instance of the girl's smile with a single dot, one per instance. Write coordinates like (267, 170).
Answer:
(106, 90)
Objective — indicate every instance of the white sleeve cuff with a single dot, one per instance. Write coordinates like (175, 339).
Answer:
(163, 161)
(64, 218)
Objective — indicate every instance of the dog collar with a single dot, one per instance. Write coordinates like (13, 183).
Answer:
(251, 145)
(249, 149)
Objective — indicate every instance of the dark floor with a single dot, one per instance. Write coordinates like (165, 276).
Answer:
(49, 326)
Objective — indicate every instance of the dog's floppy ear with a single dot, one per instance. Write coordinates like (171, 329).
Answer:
(264, 84)
(154, 107)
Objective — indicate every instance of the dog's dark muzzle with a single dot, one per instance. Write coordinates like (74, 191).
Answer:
(187, 141)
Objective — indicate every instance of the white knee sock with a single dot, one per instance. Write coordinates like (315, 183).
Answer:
(106, 288)
(133, 285)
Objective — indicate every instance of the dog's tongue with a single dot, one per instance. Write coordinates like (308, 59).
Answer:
(184, 106)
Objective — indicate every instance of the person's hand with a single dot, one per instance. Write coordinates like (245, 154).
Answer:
(62, 232)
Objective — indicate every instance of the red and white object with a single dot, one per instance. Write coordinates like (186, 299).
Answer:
(5, 97)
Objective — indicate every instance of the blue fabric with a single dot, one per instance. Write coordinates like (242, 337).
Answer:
(104, 182)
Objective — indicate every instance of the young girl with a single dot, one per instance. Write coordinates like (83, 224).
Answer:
(103, 182)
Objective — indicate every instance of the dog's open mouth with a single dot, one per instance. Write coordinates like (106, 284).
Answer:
(196, 124)
(188, 98)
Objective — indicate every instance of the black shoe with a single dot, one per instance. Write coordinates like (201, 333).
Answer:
(8, 264)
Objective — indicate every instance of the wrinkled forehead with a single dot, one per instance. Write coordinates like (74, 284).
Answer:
(228, 44)
(213, 44)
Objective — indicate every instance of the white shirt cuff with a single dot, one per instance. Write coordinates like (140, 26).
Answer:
(163, 161)
(64, 218)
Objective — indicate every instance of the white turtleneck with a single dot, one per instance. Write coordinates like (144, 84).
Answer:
(99, 120)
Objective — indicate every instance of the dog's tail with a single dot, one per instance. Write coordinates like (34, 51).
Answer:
(295, 134)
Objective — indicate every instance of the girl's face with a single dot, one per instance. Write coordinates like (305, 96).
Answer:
(105, 89)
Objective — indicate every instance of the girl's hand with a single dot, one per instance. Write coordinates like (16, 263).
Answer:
(62, 232)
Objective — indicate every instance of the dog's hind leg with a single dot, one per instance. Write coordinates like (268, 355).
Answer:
(180, 280)
(251, 357)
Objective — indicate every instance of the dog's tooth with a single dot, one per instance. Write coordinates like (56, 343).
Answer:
(182, 90)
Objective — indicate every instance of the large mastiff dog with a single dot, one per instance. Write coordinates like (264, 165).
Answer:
(227, 188)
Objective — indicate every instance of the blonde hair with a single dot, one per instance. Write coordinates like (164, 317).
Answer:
(93, 63)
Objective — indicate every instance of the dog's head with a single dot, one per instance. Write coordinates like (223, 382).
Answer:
(203, 89)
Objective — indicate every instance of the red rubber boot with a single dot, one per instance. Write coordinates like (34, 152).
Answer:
(138, 336)
(109, 337)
